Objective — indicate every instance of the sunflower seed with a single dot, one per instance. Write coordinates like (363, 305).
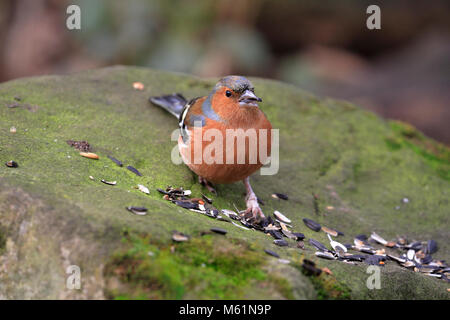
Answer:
(431, 246)
(325, 255)
(378, 239)
(134, 170)
(281, 242)
(281, 217)
(272, 253)
(186, 204)
(330, 231)
(410, 254)
(219, 231)
(209, 200)
(12, 164)
(338, 247)
(284, 261)
(300, 236)
(140, 211)
(111, 183)
(144, 189)
(277, 235)
(289, 234)
(312, 224)
(179, 237)
(374, 260)
(89, 155)
(280, 196)
(239, 226)
(118, 162)
(318, 245)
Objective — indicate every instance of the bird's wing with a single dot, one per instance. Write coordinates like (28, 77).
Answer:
(191, 116)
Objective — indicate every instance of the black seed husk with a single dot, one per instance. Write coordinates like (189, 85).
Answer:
(134, 170)
(276, 234)
(280, 242)
(118, 162)
(312, 224)
(319, 246)
(281, 196)
(12, 164)
(299, 235)
(186, 204)
(219, 231)
(272, 253)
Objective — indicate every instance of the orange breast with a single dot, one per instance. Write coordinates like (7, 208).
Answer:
(226, 153)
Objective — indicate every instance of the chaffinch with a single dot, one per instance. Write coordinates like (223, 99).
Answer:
(232, 104)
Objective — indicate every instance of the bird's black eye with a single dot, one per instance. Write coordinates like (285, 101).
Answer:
(228, 93)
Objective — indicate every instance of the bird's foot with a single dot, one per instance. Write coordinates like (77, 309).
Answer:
(253, 211)
(207, 184)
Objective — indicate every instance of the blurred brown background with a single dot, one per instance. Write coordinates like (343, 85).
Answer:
(401, 71)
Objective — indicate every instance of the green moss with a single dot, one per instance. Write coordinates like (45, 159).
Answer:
(435, 154)
(207, 266)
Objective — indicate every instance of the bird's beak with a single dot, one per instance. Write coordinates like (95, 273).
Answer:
(249, 98)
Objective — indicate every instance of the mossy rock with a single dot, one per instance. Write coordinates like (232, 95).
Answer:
(340, 165)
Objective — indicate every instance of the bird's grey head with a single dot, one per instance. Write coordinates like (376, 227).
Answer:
(241, 86)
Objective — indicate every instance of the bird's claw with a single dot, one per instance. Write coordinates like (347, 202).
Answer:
(253, 211)
(207, 184)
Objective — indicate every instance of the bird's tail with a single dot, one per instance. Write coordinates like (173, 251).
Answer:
(173, 103)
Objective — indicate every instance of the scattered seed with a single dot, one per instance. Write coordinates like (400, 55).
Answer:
(280, 196)
(91, 177)
(186, 204)
(12, 129)
(179, 237)
(111, 183)
(239, 226)
(330, 231)
(284, 261)
(219, 231)
(338, 247)
(281, 217)
(327, 271)
(325, 255)
(280, 242)
(140, 211)
(89, 155)
(299, 235)
(134, 170)
(144, 189)
(12, 164)
(118, 162)
(301, 245)
(277, 235)
(209, 200)
(312, 224)
(272, 253)
(378, 239)
(318, 245)
(431, 246)
(138, 85)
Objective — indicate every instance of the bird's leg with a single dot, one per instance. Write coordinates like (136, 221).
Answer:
(253, 208)
(207, 184)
